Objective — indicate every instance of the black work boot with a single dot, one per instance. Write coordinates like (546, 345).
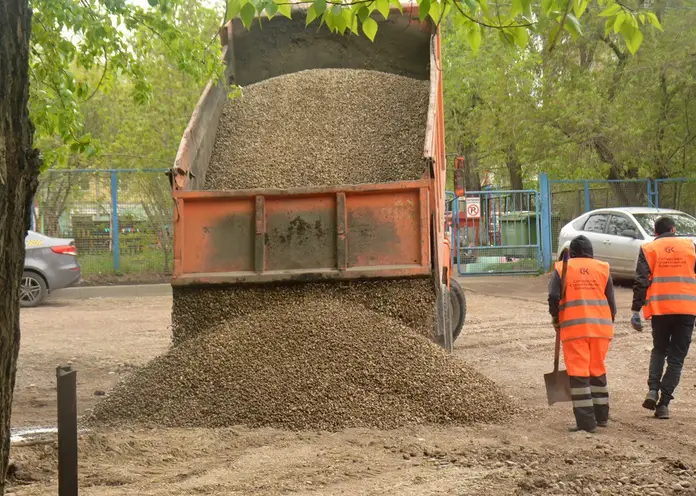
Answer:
(578, 429)
(650, 400)
(662, 412)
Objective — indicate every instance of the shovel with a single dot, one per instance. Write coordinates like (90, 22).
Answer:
(557, 382)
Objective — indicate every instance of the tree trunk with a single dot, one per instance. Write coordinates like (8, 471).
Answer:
(514, 168)
(472, 179)
(19, 170)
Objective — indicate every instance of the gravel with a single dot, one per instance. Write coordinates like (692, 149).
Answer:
(410, 301)
(317, 355)
(328, 365)
(322, 127)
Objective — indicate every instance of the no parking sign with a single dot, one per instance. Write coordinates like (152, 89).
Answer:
(473, 207)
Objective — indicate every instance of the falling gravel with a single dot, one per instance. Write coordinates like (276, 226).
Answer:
(328, 365)
(321, 127)
(409, 301)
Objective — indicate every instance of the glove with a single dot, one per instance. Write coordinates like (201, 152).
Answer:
(557, 325)
(636, 323)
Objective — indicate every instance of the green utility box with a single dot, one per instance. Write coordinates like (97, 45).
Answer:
(518, 228)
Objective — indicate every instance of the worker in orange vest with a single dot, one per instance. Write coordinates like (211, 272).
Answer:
(665, 289)
(585, 319)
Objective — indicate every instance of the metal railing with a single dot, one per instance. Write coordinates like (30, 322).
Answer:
(120, 219)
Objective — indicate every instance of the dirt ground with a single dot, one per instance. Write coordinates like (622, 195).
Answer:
(507, 336)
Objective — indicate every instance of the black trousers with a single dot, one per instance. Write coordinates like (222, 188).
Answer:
(671, 340)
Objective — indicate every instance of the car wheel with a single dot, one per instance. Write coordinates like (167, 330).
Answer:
(32, 290)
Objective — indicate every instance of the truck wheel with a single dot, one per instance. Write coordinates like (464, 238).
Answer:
(32, 290)
(457, 308)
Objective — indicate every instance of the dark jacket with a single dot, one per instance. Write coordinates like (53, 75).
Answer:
(642, 282)
(582, 249)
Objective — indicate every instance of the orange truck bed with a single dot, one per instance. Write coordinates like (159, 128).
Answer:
(352, 231)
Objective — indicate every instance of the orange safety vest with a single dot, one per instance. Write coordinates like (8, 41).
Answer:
(672, 289)
(584, 310)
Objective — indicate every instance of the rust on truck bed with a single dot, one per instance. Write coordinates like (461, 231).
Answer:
(256, 236)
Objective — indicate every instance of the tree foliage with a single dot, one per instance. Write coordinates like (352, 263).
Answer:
(585, 109)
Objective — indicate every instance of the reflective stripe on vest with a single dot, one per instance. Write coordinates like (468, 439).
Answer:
(672, 289)
(585, 311)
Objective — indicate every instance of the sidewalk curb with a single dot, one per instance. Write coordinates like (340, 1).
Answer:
(116, 291)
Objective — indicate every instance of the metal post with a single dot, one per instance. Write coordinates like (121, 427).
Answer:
(67, 431)
(545, 226)
(115, 231)
(587, 196)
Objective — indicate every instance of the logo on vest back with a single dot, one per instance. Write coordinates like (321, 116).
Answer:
(669, 249)
(585, 271)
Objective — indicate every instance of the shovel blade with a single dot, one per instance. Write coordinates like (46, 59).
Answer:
(557, 387)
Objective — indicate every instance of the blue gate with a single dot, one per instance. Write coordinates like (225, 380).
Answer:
(496, 232)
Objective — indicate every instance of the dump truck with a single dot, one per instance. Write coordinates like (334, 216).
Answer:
(390, 230)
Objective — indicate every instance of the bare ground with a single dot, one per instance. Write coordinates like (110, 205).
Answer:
(507, 336)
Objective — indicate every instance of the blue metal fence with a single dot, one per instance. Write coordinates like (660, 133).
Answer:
(496, 232)
(120, 219)
(556, 203)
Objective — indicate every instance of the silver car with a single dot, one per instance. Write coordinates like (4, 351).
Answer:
(618, 233)
(50, 264)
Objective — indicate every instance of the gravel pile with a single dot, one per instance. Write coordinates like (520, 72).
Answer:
(410, 301)
(322, 127)
(327, 365)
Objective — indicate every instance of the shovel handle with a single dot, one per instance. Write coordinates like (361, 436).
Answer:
(557, 351)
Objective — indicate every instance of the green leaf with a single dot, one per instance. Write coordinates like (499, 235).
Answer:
(611, 11)
(474, 37)
(311, 15)
(369, 27)
(580, 7)
(397, 4)
(152, 3)
(548, 5)
(608, 26)
(652, 19)
(341, 22)
(484, 7)
(618, 21)
(573, 26)
(319, 6)
(435, 13)
(632, 36)
(471, 5)
(235, 7)
(285, 10)
(642, 18)
(247, 14)
(515, 8)
(363, 13)
(520, 36)
(507, 39)
(423, 9)
(271, 10)
(383, 7)
(350, 18)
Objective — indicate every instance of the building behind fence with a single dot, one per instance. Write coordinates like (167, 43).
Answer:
(121, 220)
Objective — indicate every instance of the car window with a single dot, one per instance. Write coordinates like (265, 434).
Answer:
(596, 223)
(686, 225)
(618, 224)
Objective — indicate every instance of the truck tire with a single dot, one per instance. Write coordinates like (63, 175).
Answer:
(457, 308)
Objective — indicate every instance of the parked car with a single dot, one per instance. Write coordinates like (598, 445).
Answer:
(618, 233)
(50, 264)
